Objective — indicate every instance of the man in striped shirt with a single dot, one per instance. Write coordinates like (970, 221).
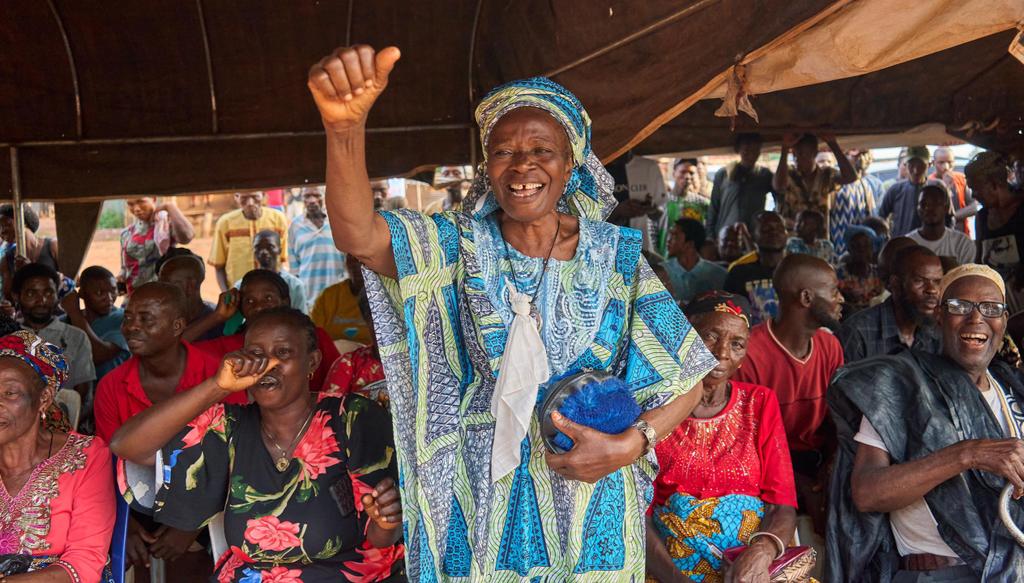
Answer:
(315, 259)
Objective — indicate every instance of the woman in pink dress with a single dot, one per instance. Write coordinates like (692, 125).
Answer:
(57, 490)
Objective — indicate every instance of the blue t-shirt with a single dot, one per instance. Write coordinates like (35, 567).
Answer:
(108, 329)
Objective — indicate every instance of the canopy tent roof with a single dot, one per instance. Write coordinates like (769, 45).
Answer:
(107, 99)
(880, 79)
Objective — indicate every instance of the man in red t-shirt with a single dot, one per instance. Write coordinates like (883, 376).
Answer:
(796, 355)
(161, 365)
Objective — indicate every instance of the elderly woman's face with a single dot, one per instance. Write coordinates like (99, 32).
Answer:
(972, 340)
(288, 381)
(22, 399)
(726, 337)
(528, 163)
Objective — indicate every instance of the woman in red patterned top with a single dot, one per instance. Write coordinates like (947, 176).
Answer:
(725, 471)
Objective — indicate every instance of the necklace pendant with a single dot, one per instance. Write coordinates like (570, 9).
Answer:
(281, 464)
(535, 314)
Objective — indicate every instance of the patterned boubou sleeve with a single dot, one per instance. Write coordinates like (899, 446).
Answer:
(665, 356)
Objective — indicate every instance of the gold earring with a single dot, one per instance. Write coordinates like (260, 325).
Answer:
(311, 373)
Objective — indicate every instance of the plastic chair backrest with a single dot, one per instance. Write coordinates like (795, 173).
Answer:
(72, 403)
(218, 541)
(120, 539)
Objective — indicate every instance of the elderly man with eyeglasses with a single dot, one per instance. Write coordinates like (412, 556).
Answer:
(927, 442)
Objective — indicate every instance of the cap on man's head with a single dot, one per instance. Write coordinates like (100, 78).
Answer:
(969, 270)
(919, 152)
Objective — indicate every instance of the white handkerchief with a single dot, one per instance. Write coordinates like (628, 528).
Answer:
(524, 367)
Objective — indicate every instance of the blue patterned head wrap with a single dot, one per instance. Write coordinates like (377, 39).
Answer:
(588, 192)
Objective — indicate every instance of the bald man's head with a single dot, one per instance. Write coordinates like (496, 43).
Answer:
(154, 319)
(165, 293)
(186, 272)
(807, 287)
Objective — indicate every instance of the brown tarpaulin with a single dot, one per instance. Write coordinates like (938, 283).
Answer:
(966, 88)
(111, 98)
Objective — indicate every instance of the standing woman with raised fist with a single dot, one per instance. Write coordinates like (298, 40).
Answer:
(527, 280)
(307, 482)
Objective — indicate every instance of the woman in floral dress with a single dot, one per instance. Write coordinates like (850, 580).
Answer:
(306, 481)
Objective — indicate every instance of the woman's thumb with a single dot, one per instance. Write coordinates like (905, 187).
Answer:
(385, 62)
(565, 425)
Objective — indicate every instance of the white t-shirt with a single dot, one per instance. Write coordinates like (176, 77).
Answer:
(952, 244)
(644, 178)
(914, 526)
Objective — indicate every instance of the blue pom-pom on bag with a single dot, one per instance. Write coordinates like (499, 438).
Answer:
(596, 399)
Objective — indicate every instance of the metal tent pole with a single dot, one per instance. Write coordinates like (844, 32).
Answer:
(19, 215)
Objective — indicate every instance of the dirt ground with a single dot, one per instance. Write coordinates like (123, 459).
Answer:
(107, 252)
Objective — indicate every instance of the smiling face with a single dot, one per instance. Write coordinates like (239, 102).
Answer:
(726, 337)
(528, 163)
(23, 397)
(259, 295)
(277, 337)
(972, 340)
(142, 208)
(151, 324)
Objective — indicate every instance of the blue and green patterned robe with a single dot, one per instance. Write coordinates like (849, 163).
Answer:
(442, 329)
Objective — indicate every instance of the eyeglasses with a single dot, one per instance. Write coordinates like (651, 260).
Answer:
(965, 307)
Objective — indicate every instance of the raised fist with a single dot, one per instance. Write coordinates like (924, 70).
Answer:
(241, 370)
(347, 82)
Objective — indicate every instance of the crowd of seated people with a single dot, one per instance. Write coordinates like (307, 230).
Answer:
(855, 380)
(127, 357)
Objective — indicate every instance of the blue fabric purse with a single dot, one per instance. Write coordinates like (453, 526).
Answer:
(596, 399)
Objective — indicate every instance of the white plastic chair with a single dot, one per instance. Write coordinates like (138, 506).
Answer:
(344, 345)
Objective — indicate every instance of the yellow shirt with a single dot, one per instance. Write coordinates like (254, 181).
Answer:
(748, 258)
(337, 311)
(232, 240)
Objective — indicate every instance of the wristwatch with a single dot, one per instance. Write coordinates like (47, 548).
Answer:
(649, 434)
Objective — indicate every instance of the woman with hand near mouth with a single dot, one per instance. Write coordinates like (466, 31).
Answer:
(307, 482)
(728, 458)
(476, 310)
(259, 290)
